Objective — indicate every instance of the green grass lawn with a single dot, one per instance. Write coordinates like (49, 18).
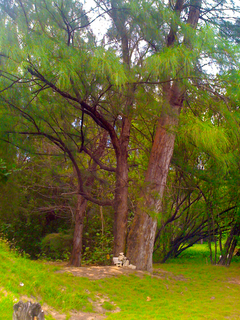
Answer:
(184, 288)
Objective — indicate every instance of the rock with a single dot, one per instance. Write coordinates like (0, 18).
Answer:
(122, 261)
(115, 260)
(27, 311)
(119, 264)
(126, 263)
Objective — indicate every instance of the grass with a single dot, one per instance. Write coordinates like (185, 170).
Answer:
(187, 288)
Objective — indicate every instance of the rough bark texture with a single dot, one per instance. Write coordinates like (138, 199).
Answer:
(142, 233)
(121, 147)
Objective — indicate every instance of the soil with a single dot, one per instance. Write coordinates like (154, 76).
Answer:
(100, 272)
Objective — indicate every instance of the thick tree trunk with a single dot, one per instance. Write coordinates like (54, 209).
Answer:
(142, 234)
(121, 192)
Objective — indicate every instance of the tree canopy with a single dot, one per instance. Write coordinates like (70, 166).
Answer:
(142, 117)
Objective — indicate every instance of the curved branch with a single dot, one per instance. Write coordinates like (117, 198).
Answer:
(95, 159)
(91, 111)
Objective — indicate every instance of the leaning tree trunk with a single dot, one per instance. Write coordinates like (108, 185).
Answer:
(230, 245)
(142, 233)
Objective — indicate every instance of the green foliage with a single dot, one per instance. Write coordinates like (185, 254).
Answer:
(25, 233)
(4, 173)
(52, 64)
(98, 239)
(57, 246)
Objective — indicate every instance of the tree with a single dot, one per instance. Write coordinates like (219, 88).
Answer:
(69, 21)
(141, 242)
(153, 58)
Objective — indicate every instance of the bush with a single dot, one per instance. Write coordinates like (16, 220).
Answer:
(57, 246)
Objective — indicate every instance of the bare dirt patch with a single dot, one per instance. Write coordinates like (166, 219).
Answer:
(100, 272)
(234, 281)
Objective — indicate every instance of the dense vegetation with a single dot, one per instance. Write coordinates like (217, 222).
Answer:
(124, 140)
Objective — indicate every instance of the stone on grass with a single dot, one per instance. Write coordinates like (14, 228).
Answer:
(122, 261)
(27, 311)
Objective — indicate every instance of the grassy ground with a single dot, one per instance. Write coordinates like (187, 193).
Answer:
(185, 288)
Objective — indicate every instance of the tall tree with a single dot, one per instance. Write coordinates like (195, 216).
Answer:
(142, 234)
(84, 88)
(151, 55)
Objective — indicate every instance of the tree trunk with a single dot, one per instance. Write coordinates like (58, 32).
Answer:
(27, 311)
(142, 234)
(76, 256)
(121, 192)
(230, 245)
(121, 147)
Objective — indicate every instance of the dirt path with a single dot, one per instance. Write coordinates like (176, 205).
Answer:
(100, 272)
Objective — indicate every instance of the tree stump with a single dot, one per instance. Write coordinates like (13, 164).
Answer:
(27, 311)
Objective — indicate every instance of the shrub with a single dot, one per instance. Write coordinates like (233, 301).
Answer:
(57, 245)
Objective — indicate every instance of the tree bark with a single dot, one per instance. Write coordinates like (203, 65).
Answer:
(121, 147)
(230, 245)
(76, 255)
(142, 234)
(27, 311)
(121, 192)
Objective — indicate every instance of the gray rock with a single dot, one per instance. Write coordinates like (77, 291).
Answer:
(27, 311)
